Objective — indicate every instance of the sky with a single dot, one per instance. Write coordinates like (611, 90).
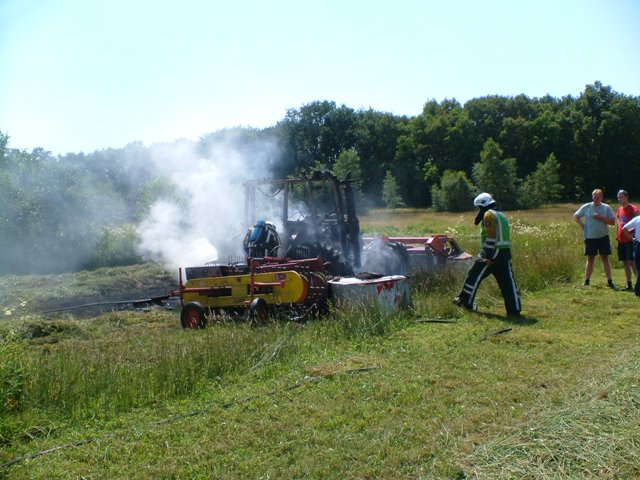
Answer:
(79, 76)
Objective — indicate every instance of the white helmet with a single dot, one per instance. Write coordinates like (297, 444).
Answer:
(483, 200)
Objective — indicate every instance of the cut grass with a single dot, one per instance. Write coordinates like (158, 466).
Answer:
(444, 401)
(30, 294)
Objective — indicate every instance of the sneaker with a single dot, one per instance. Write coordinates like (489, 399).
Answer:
(629, 287)
(612, 285)
(585, 283)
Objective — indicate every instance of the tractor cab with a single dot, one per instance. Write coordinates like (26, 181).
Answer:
(317, 217)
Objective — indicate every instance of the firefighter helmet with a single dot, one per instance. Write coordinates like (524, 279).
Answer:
(483, 200)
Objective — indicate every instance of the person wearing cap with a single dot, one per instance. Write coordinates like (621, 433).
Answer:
(595, 227)
(634, 225)
(625, 246)
(494, 258)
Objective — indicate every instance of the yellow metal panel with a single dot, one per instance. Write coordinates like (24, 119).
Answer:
(290, 287)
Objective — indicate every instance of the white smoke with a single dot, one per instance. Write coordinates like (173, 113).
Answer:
(170, 240)
(206, 223)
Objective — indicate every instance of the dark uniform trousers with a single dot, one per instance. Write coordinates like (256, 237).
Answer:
(502, 271)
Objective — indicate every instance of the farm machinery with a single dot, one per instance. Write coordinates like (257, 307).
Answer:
(315, 254)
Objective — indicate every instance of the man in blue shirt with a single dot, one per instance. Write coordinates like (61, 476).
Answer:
(595, 227)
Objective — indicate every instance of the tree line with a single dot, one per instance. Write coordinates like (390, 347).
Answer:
(588, 141)
(526, 151)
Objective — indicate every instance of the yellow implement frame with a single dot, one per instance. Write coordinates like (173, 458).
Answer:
(284, 287)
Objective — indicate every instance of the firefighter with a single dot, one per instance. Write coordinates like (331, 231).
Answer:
(494, 259)
(262, 240)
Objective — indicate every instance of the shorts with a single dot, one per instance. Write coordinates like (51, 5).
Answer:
(595, 246)
(625, 252)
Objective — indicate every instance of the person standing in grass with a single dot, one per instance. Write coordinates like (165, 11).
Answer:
(625, 246)
(634, 224)
(494, 259)
(595, 227)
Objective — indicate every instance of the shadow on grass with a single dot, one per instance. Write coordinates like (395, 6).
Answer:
(523, 320)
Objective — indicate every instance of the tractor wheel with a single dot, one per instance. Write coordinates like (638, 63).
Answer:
(337, 265)
(193, 316)
(258, 311)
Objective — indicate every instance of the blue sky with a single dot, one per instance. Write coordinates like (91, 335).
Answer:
(92, 74)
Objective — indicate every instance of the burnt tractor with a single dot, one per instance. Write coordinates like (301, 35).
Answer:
(319, 239)
(313, 255)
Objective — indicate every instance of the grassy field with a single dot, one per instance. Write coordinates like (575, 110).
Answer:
(435, 392)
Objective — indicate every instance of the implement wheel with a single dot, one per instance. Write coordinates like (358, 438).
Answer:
(193, 316)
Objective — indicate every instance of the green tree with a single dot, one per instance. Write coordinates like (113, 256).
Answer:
(390, 195)
(455, 193)
(441, 136)
(317, 132)
(543, 185)
(348, 161)
(407, 168)
(430, 172)
(487, 115)
(497, 175)
(4, 140)
(376, 138)
(619, 133)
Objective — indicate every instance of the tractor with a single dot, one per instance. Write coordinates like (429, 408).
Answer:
(315, 254)
(319, 240)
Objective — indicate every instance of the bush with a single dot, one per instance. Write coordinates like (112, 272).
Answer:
(116, 246)
(455, 193)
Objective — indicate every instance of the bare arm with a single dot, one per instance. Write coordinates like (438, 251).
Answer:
(604, 219)
(627, 234)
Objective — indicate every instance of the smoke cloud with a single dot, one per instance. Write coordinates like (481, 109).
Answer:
(205, 223)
